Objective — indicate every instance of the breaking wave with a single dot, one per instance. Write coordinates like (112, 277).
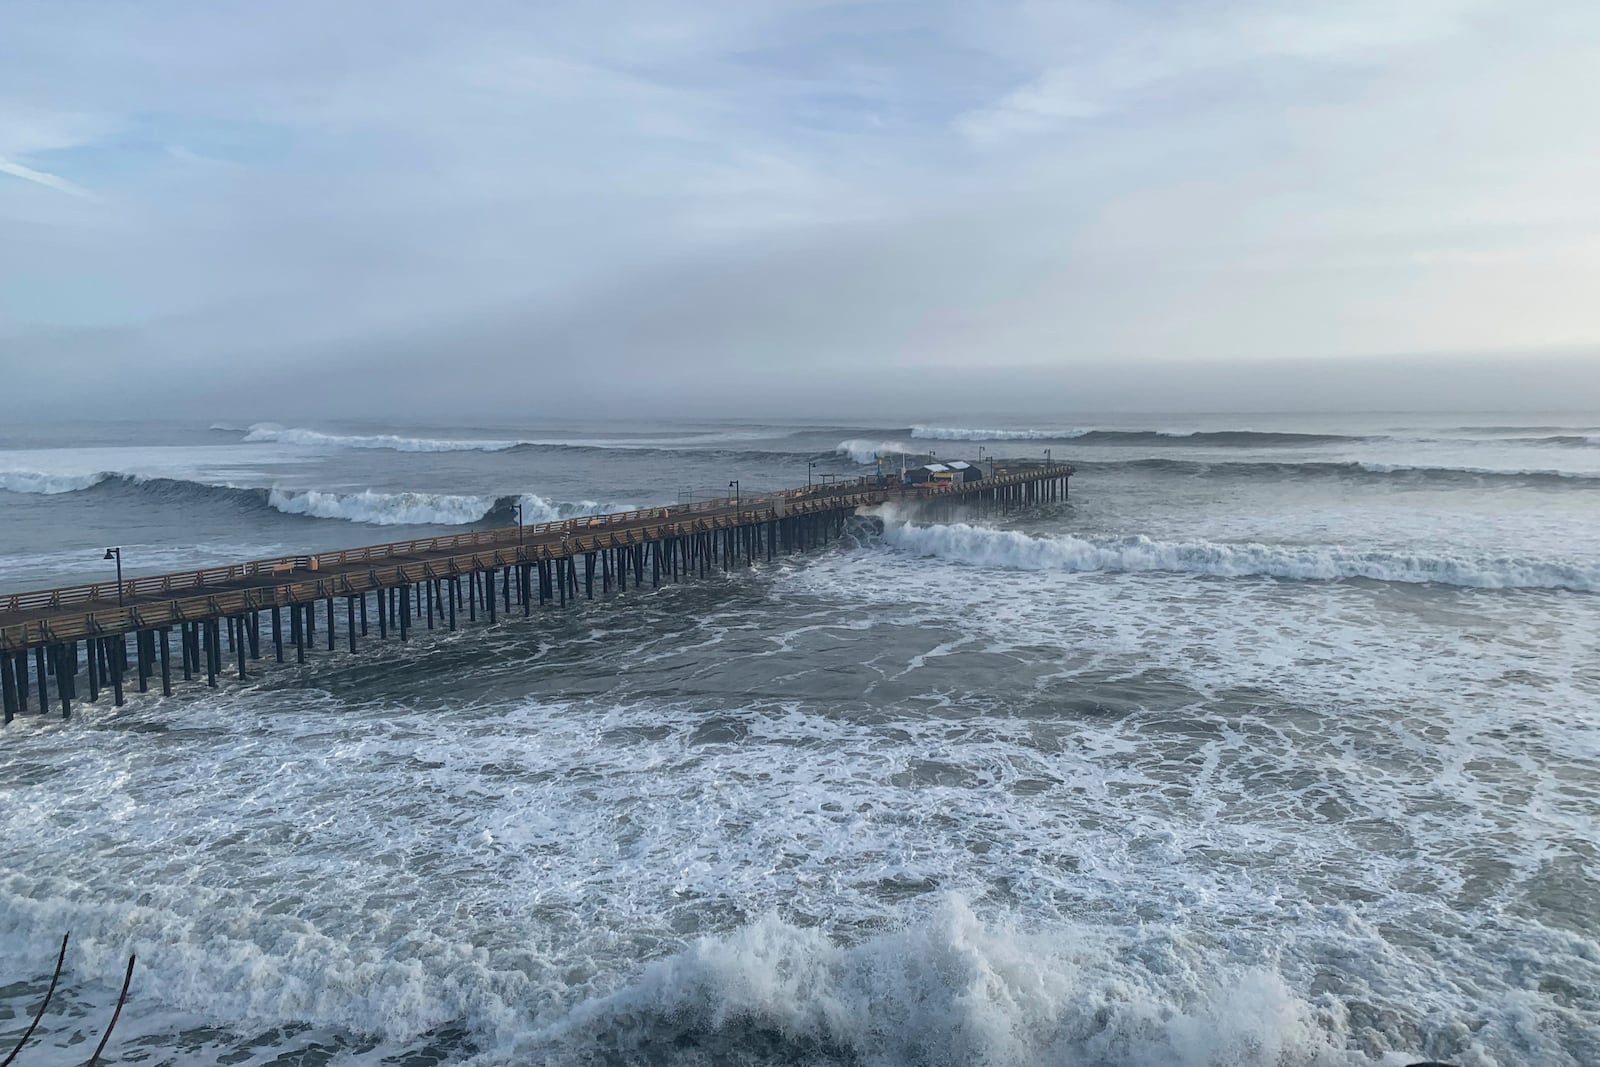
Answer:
(1011, 550)
(49, 484)
(1230, 438)
(866, 451)
(1350, 469)
(296, 435)
(951, 989)
(368, 506)
(951, 433)
(386, 509)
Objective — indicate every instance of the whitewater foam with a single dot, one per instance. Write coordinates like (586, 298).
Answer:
(296, 435)
(954, 990)
(384, 509)
(867, 451)
(1013, 550)
(49, 484)
(954, 433)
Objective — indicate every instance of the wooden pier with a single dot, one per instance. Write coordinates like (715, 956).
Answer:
(53, 638)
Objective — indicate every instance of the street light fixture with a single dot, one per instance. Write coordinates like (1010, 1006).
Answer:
(734, 485)
(116, 554)
(811, 465)
(517, 507)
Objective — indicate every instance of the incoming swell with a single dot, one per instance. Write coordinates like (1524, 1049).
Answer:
(1350, 469)
(368, 506)
(299, 435)
(1222, 438)
(1011, 550)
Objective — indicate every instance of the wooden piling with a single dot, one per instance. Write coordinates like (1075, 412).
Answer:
(166, 662)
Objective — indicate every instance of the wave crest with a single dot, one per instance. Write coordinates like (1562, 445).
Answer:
(952, 990)
(956, 433)
(297, 435)
(866, 451)
(1011, 550)
(49, 484)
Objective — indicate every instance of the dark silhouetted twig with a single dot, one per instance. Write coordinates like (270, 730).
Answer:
(48, 994)
(126, 981)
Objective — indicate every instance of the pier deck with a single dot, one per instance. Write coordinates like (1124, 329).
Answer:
(437, 578)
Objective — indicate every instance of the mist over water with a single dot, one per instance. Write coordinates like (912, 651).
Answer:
(1276, 744)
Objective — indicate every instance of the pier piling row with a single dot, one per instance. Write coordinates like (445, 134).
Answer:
(50, 639)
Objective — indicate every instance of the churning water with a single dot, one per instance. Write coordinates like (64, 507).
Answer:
(1277, 744)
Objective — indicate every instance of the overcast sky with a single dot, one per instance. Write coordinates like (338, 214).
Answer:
(683, 202)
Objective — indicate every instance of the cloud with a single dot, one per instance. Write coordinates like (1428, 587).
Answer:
(900, 186)
(49, 181)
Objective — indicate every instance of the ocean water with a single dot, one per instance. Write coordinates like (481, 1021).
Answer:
(1277, 744)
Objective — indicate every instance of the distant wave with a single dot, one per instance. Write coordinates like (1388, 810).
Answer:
(1010, 550)
(867, 450)
(1566, 440)
(49, 484)
(1345, 469)
(296, 435)
(956, 433)
(1230, 438)
(428, 509)
(368, 506)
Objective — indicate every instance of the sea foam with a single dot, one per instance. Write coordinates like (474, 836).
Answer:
(49, 484)
(956, 433)
(1009, 549)
(953, 989)
(296, 435)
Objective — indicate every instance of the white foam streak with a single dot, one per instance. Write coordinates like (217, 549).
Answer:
(538, 509)
(1011, 550)
(867, 451)
(296, 435)
(384, 509)
(49, 484)
(955, 990)
(954, 433)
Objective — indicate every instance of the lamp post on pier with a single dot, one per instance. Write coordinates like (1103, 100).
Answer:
(116, 554)
(734, 485)
(811, 465)
(517, 507)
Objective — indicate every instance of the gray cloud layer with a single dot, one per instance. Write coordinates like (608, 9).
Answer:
(689, 205)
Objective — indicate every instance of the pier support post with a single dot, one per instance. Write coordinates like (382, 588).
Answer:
(453, 595)
(213, 639)
(44, 686)
(241, 644)
(350, 622)
(91, 651)
(277, 632)
(116, 677)
(363, 599)
(254, 619)
(332, 637)
(383, 615)
(405, 614)
(297, 632)
(166, 661)
(8, 685)
(64, 680)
